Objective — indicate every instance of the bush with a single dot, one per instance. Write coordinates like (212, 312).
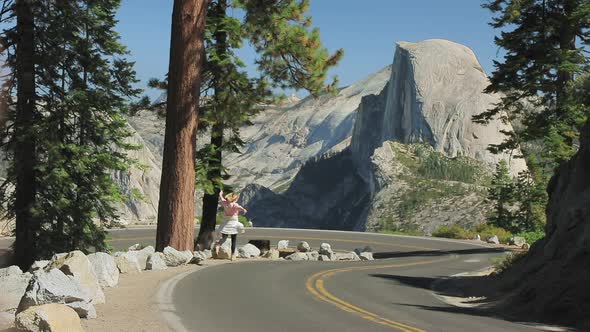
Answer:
(451, 232)
(504, 263)
(486, 231)
(532, 237)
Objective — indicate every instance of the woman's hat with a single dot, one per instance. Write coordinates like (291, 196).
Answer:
(232, 197)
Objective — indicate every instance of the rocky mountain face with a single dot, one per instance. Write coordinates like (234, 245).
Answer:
(434, 89)
(283, 138)
(551, 281)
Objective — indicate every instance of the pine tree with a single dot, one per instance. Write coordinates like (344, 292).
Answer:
(545, 58)
(81, 84)
(289, 56)
(501, 194)
(544, 43)
(176, 206)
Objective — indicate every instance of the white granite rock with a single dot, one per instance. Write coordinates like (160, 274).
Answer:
(303, 247)
(51, 317)
(77, 265)
(494, 240)
(173, 257)
(283, 244)
(272, 254)
(298, 256)
(54, 286)
(127, 263)
(325, 249)
(366, 256)
(248, 251)
(156, 262)
(105, 268)
(13, 283)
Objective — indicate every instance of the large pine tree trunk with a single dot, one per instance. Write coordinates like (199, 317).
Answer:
(176, 206)
(209, 216)
(25, 249)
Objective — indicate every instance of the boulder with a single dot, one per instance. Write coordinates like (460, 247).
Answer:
(134, 247)
(173, 257)
(38, 265)
(525, 246)
(324, 258)
(248, 251)
(223, 251)
(207, 253)
(198, 256)
(286, 252)
(303, 247)
(283, 244)
(358, 251)
(263, 245)
(51, 317)
(105, 268)
(127, 263)
(77, 265)
(142, 255)
(494, 240)
(13, 284)
(298, 256)
(84, 309)
(54, 286)
(366, 256)
(325, 249)
(272, 254)
(312, 255)
(350, 256)
(6, 321)
(156, 262)
(517, 241)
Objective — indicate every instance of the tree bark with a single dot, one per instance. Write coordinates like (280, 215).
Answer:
(177, 205)
(25, 249)
(209, 216)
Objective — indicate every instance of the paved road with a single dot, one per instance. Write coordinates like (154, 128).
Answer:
(390, 294)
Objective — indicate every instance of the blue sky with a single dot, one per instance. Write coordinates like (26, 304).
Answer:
(366, 30)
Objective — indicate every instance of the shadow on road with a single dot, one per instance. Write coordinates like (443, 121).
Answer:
(434, 253)
(476, 296)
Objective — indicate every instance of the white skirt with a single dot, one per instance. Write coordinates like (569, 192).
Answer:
(231, 225)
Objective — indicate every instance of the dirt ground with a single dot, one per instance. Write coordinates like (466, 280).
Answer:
(131, 305)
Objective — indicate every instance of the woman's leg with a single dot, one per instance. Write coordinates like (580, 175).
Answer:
(223, 238)
(234, 241)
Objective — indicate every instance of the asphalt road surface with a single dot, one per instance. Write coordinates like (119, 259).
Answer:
(392, 293)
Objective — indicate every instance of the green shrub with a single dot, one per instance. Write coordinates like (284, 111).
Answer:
(502, 264)
(486, 231)
(532, 237)
(451, 232)
(437, 166)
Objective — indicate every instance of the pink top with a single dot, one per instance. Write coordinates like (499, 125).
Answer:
(231, 209)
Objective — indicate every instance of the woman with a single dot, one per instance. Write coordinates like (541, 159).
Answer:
(231, 225)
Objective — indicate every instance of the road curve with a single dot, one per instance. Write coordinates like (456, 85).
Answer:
(389, 294)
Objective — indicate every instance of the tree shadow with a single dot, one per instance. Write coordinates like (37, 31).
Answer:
(5, 257)
(475, 295)
(434, 253)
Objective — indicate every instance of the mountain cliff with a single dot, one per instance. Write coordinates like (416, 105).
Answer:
(434, 89)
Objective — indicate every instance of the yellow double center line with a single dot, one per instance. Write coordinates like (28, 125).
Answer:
(316, 286)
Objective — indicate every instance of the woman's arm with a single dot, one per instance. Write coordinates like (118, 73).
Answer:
(221, 198)
(241, 208)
